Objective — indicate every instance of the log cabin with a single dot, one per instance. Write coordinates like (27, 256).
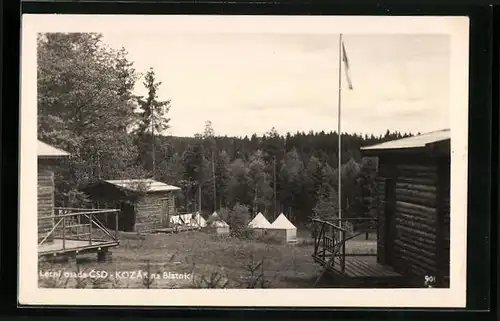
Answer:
(146, 205)
(413, 184)
(49, 159)
(65, 231)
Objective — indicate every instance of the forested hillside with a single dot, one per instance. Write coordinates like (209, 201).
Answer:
(87, 106)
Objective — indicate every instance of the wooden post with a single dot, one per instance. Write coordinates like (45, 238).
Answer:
(90, 229)
(64, 232)
(116, 225)
(342, 260)
(275, 214)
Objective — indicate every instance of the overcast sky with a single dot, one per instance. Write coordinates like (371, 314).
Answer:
(249, 83)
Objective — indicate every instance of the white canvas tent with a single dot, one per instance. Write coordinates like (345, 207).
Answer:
(282, 227)
(188, 220)
(175, 220)
(199, 220)
(259, 222)
(193, 220)
(217, 225)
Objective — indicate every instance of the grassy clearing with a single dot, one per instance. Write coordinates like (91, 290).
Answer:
(212, 262)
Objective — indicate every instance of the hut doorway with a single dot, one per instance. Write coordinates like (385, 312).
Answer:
(390, 229)
(165, 215)
(126, 221)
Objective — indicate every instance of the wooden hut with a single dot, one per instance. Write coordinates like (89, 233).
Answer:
(49, 159)
(413, 182)
(146, 205)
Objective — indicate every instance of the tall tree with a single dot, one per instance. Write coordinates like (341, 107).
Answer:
(194, 161)
(210, 148)
(85, 107)
(260, 183)
(222, 177)
(290, 176)
(152, 119)
(312, 181)
(239, 185)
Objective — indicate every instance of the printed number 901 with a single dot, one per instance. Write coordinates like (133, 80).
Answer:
(429, 280)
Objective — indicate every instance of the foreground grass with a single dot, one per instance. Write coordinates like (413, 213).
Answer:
(211, 262)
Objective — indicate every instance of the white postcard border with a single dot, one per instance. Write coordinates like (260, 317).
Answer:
(455, 296)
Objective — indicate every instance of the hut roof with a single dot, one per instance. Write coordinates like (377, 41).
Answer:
(135, 185)
(46, 150)
(282, 223)
(259, 221)
(419, 141)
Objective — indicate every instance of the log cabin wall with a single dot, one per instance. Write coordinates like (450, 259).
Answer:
(443, 204)
(45, 203)
(139, 212)
(149, 208)
(380, 190)
(414, 245)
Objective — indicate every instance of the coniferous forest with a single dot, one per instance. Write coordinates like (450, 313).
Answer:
(87, 106)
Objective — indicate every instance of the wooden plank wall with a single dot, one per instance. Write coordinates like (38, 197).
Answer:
(45, 202)
(415, 217)
(444, 264)
(415, 244)
(381, 180)
(149, 210)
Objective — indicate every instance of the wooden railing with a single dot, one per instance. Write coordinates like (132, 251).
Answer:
(81, 224)
(330, 238)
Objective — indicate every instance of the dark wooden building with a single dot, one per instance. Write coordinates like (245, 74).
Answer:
(145, 204)
(49, 160)
(414, 205)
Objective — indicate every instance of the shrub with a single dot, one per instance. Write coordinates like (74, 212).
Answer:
(271, 239)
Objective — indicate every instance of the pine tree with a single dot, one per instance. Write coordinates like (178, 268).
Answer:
(152, 120)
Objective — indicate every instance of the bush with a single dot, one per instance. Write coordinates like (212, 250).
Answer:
(237, 218)
(270, 239)
(245, 234)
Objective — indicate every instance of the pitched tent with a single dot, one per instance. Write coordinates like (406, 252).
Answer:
(259, 222)
(217, 225)
(199, 220)
(175, 220)
(186, 219)
(192, 220)
(283, 228)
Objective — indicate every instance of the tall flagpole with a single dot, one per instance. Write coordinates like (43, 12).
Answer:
(339, 130)
(342, 236)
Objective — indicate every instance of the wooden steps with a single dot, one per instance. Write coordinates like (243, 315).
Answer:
(361, 273)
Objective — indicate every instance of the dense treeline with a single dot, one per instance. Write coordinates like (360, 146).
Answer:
(87, 106)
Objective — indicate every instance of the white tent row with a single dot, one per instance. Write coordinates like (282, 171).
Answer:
(281, 227)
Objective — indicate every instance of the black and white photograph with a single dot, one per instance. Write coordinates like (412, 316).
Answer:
(249, 154)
